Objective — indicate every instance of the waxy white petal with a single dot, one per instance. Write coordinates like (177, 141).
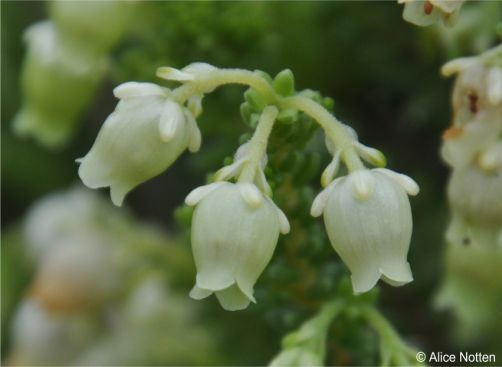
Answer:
(362, 183)
(283, 220)
(195, 138)
(171, 120)
(230, 171)
(199, 293)
(406, 182)
(169, 73)
(250, 193)
(371, 155)
(232, 299)
(135, 89)
(320, 201)
(331, 170)
(200, 192)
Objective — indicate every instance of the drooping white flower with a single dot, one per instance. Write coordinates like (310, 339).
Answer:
(235, 229)
(368, 219)
(427, 12)
(143, 136)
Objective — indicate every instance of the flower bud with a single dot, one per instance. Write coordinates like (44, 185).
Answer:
(235, 229)
(368, 218)
(145, 134)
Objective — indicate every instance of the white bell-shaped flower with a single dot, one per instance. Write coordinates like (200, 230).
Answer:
(235, 229)
(368, 219)
(145, 134)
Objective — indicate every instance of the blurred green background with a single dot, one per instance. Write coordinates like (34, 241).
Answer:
(383, 75)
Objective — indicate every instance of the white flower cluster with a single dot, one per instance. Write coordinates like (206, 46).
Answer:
(473, 149)
(427, 12)
(236, 225)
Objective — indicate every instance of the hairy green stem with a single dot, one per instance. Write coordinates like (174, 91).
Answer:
(258, 144)
(334, 129)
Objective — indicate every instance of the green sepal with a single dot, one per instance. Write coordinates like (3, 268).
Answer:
(284, 83)
(246, 110)
(254, 99)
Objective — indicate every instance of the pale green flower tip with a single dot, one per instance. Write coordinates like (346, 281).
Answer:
(406, 182)
(187, 74)
(251, 194)
(232, 299)
(197, 293)
(118, 192)
(214, 278)
(362, 183)
(168, 73)
(171, 121)
(396, 275)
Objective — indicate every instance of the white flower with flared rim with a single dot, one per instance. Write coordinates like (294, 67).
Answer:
(235, 229)
(368, 219)
(145, 134)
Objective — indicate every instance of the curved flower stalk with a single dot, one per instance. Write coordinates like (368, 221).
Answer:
(368, 218)
(145, 134)
(477, 106)
(427, 12)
